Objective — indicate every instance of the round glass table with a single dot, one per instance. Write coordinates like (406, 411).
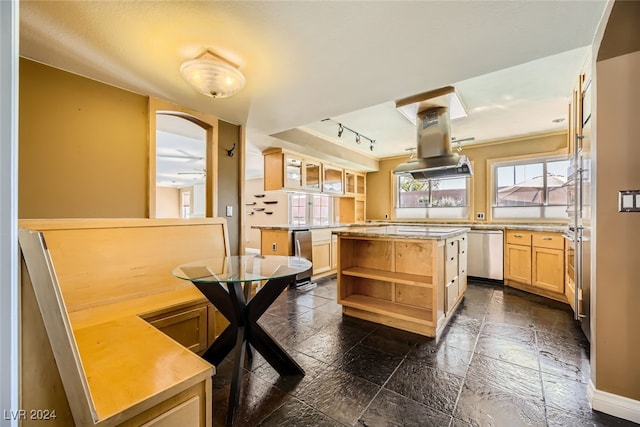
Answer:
(227, 282)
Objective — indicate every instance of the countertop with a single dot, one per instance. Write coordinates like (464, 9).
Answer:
(553, 228)
(405, 231)
(291, 227)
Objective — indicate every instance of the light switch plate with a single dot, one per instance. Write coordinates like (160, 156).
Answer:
(229, 210)
(629, 201)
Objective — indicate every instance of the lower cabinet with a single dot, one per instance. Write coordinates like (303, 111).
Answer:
(187, 327)
(534, 261)
(321, 250)
(195, 327)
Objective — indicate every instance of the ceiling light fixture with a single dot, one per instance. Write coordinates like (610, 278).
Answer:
(359, 136)
(213, 75)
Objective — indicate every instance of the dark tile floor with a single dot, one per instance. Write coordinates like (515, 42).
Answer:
(507, 358)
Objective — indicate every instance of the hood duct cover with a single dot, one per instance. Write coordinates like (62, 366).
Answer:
(435, 159)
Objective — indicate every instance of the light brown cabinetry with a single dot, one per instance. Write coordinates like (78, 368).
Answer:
(518, 256)
(321, 249)
(455, 270)
(188, 327)
(534, 261)
(548, 262)
(399, 282)
(333, 178)
(275, 242)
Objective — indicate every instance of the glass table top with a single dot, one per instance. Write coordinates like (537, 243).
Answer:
(242, 268)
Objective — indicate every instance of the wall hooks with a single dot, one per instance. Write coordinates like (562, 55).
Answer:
(231, 150)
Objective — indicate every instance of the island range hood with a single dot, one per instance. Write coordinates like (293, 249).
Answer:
(434, 156)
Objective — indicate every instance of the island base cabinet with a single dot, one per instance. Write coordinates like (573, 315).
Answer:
(397, 282)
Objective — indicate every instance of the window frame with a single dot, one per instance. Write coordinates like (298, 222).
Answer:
(432, 211)
(539, 212)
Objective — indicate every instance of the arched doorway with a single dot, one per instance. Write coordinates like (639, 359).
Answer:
(180, 167)
(173, 115)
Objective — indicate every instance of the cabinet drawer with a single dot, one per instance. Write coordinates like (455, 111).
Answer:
(189, 328)
(452, 293)
(320, 235)
(451, 250)
(516, 237)
(548, 240)
(462, 244)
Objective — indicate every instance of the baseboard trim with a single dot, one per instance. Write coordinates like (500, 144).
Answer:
(612, 404)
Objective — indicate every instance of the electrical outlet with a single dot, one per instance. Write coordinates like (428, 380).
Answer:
(480, 215)
(274, 247)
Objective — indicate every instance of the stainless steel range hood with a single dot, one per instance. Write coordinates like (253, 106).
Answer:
(434, 156)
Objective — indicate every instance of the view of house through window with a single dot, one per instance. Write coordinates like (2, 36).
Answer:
(450, 192)
(537, 183)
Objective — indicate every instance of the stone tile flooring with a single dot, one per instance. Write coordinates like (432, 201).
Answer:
(507, 358)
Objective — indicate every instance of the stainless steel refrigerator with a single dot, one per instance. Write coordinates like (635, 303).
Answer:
(578, 235)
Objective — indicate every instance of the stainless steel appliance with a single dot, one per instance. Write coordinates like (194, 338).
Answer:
(303, 247)
(578, 234)
(485, 254)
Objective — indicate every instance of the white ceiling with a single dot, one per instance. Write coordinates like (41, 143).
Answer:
(512, 62)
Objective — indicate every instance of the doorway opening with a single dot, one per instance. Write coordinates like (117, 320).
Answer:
(181, 151)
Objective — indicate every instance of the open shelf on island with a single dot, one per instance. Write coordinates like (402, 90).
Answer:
(389, 276)
(388, 308)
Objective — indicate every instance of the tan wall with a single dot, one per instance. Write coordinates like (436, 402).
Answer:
(229, 180)
(279, 216)
(617, 150)
(82, 147)
(379, 184)
(167, 202)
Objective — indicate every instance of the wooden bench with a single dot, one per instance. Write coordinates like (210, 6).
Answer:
(95, 296)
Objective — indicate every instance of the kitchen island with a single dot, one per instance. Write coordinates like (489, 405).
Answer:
(407, 277)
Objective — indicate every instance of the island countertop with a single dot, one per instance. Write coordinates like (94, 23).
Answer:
(403, 231)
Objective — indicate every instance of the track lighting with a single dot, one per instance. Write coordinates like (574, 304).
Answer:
(359, 136)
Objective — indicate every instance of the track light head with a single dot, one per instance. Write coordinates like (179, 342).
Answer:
(357, 138)
(340, 130)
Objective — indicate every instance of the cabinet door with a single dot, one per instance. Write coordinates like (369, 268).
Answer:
(334, 252)
(312, 172)
(349, 182)
(292, 172)
(189, 328)
(275, 242)
(321, 257)
(548, 269)
(518, 263)
(332, 182)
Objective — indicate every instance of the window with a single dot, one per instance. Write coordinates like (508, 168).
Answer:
(539, 183)
(534, 188)
(450, 192)
(435, 198)
(310, 209)
(298, 204)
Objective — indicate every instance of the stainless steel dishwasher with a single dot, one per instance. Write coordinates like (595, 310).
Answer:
(303, 247)
(485, 255)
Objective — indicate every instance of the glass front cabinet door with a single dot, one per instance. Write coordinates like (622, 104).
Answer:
(333, 182)
(312, 171)
(293, 172)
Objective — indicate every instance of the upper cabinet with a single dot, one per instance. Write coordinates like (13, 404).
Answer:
(293, 171)
(333, 180)
(285, 170)
(312, 175)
